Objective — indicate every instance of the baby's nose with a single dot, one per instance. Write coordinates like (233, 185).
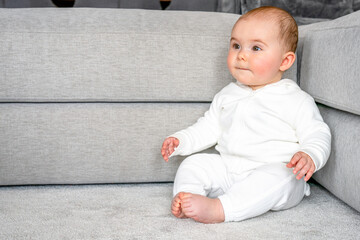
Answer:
(242, 55)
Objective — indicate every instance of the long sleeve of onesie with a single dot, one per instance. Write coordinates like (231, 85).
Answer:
(313, 134)
(203, 134)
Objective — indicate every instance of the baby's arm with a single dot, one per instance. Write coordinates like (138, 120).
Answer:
(314, 140)
(168, 147)
(197, 137)
(303, 164)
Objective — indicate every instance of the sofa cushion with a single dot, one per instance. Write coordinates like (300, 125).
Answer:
(89, 54)
(329, 64)
(74, 143)
(341, 175)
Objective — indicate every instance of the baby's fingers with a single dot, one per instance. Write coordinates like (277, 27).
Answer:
(303, 165)
(168, 147)
(302, 171)
(165, 149)
(299, 165)
(173, 145)
(165, 154)
(309, 173)
(294, 160)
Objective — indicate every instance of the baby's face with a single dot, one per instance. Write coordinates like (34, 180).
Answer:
(255, 54)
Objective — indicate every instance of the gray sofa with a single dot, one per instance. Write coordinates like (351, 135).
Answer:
(88, 95)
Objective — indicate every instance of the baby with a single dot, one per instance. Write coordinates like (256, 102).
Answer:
(268, 132)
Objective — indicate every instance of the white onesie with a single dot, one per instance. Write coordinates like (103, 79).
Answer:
(256, 133)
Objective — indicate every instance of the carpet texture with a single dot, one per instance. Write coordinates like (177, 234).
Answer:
(141, 211)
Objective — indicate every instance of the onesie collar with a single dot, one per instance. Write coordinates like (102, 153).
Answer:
(285, 82)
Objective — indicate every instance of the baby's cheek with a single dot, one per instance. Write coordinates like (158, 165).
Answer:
(266, 67)
(229, 61)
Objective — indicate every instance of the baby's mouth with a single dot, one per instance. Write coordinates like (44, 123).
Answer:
(242, 68)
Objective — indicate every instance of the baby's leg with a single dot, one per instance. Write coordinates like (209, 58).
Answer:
(199, 176)
(269, 187)
(203, 174)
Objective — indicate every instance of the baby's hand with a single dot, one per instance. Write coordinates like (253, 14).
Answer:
(302, 163)
(168, 147)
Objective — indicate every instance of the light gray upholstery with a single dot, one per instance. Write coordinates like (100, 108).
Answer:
(113, 55)
(348, 21)
(328, 70)
(89, 143)
(341, 175)
(330, 67)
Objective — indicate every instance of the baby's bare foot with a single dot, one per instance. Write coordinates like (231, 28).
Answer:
(176, 206)
(202, 209)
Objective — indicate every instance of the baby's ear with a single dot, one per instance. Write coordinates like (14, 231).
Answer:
(288, 61)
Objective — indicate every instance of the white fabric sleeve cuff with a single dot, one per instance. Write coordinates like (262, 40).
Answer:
(181, 149)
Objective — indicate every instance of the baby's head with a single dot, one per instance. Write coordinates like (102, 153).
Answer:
(287, 27)
(262, 47)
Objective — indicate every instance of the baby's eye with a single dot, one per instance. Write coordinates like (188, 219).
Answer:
(236, 46)
(256, 48)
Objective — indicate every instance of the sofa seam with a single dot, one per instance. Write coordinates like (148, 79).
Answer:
(335, 104)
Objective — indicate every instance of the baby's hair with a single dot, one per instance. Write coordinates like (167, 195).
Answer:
(288, 34)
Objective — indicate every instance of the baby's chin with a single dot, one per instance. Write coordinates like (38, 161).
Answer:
(243, 76)
(250, 84)
(243, 82)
